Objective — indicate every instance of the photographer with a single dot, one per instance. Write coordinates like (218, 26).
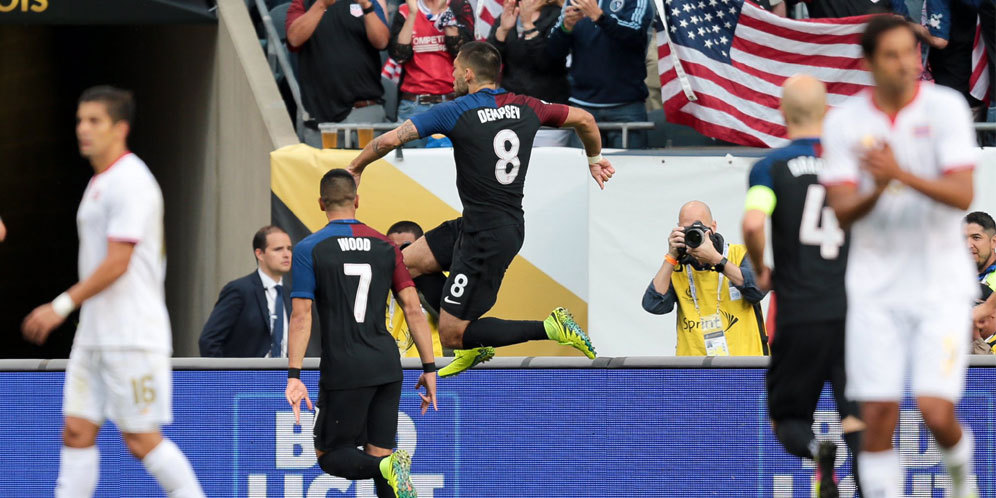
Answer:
(698, 267)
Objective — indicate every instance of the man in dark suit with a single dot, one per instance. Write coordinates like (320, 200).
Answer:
(250, 317)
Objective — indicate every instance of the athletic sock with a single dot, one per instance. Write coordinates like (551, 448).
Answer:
(167, 464)
(79, 469)
(959, 461)
(497, 332)
(431, 287)
(853, 440)
(796, 436)
(351, 463)
(881, 474)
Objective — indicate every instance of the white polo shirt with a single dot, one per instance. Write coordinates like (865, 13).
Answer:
(124, 203)
(909, 248)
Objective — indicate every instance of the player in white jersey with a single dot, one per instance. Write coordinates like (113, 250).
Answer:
(119, 367)
(898, 170)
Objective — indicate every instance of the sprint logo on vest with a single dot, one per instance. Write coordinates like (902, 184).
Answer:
(276, 459)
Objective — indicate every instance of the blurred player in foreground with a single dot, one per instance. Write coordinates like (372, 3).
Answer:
(347, 269)
(492, 133)
(898, 170)
(119, 367)
(810, 253)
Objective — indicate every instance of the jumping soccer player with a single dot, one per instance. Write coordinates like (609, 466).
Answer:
(492, 133)
(810, 253)
(346, 269)
(898, 170)
(119, 367)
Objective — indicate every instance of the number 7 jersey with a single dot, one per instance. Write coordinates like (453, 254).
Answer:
(492, 133)
(347, 269)
(810, 249)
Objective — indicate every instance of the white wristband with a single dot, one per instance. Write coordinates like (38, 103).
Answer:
(63, 305)
(595, 159)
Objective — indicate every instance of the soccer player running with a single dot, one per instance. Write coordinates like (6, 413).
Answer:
(346, 269)
(119, 367)
(898, 170)
(810, 252)
(492, 133)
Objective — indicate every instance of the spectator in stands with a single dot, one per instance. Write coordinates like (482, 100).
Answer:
(402, 234)
(607, 51)
(950, 31)
(980, 234)
(426, 36)
(692, 277)
(250, 317)
(776, 7)
(849, 8)
(521, 37)
(338, 46)
(984, 329)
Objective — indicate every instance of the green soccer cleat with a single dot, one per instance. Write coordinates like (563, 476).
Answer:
(397, 469)
(561, 327)
(466, 358)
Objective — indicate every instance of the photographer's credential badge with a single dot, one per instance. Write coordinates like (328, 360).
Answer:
(715, 338)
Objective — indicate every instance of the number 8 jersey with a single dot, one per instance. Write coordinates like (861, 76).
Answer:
(810, 249)
(492, 133)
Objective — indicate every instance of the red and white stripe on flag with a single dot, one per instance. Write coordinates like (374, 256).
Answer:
(978, 83)
(392, 70)
(487, 13)
(733, 95)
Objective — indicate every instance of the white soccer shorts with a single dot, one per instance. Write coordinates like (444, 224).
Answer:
(884, 342)
(132, 388)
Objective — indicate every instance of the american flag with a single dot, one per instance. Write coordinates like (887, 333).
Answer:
(722, 63)
(979, 82)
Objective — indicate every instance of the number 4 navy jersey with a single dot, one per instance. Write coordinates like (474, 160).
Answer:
(347, 269)
(809, 247)
(492, 133)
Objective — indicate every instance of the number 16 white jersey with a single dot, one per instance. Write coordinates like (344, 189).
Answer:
(909, 248)
(124, 203)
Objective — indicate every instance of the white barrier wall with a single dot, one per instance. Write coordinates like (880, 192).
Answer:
(605, 246)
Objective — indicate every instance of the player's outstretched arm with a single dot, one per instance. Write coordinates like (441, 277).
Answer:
(298, 335)
(47, 317)
(381, 145)
(587, 129)
(412, 308)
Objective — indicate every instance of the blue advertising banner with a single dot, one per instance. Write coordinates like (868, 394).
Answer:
(498, 433)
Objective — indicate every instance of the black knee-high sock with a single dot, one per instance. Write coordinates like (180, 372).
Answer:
(382, 487)
(431, 286)
(796, 435)
(853, 440)
(497, 332)
(351, 463)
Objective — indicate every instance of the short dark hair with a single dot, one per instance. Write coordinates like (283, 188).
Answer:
(120, 103)
(983, 220)
(878, 25)
(259, 239)
(483, 58)
(406, 227)
(338, 188)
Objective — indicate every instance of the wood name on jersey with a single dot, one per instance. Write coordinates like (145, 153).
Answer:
(504, 112)
(805, 165)
(353, 244)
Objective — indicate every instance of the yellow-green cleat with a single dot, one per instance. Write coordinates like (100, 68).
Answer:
(464, 359)
(397, 469)
(561, 327)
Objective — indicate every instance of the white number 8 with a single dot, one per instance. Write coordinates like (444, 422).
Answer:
(459, 283)
(507, 150)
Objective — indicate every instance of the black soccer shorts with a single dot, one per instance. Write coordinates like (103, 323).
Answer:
(803, 357)
(477, 262)
(355, 417)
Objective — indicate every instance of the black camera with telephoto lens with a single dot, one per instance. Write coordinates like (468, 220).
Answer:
(695, 235)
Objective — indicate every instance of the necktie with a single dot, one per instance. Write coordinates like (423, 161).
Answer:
(278, 323)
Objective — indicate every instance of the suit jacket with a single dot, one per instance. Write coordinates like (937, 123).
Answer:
(239, 325)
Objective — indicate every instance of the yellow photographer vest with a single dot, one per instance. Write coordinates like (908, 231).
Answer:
(743, 325)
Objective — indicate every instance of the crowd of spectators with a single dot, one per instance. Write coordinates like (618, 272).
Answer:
(596, 54)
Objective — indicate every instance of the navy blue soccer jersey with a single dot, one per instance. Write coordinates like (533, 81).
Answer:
(810, 249)
(347, 269)
(492, 133)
